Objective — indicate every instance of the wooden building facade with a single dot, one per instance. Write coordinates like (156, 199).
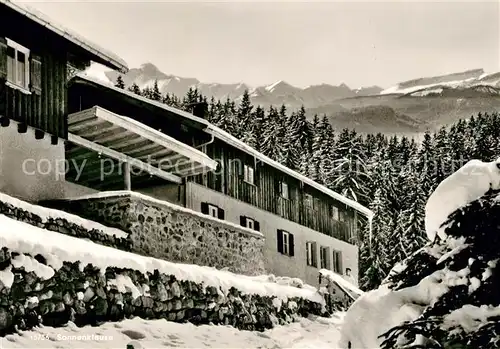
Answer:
(274, 191)
(34, 58)
(307, 227)
(240, 175)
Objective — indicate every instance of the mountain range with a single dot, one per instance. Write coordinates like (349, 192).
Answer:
(410, 107)
(274, 94)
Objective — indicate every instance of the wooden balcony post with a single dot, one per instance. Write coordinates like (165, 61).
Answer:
(126, 174)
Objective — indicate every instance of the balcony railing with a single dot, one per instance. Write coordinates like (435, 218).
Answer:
(247, 193)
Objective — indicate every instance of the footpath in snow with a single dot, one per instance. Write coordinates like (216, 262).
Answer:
(315, 332)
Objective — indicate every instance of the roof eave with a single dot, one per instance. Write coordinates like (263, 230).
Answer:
(101, 58)
(94, 52)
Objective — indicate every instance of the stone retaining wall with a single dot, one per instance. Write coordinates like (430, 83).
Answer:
(63, 226)
(170, 232)
(34, 293)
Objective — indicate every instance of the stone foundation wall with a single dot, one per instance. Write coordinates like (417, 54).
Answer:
(170, 232)
(87, 295)
(63, 226)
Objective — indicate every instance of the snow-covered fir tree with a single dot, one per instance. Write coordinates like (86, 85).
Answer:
(155, 92)
(135, 89)
(273, 136)
(395, 175)
(350, 174)
(244, 117)
(375, 264)
(119, 82)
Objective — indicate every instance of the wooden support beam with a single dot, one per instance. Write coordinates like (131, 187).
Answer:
(115, 182)
(93, 131)
(126, 175)
(39, 134)
(81, 116)
(172, 157)
(94, 167)
(153, 155)
(4, 121)
(124, 158)
(191, 170)
(81, 125)
(54, 140)
(137, 146)
(112, 135)
(22, 128)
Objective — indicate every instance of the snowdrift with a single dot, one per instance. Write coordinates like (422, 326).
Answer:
(444, 296)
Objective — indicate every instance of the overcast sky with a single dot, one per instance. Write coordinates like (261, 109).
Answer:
(303, 43)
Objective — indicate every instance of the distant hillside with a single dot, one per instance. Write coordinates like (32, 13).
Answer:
(406, 114)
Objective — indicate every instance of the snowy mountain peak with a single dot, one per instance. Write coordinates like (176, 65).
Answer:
(461, 80)
(274, 86)
(149, 69)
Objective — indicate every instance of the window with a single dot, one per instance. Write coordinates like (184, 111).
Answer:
(316, 203)
(308, 200)
(323, 255)
(285, 243)
(335, 212)
(18, 67)
(249, 223)
(284, 190)
(342, 216)
(311, 254)
(337, 262)
(212, 210)
(248, 174)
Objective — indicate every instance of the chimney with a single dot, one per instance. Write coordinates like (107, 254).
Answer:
(199, 109)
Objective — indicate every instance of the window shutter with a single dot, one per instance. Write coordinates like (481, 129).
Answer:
(314, 258)
(255, 174)
(341, 268)
(279, 237)
(36, 74)
(256, 225)
(240, 170)
(3, 58)
(204, 207)
(292, 245)
(220, 213)
(243, 221)
(277, 187)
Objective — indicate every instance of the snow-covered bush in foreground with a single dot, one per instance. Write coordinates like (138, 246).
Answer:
(444, 296)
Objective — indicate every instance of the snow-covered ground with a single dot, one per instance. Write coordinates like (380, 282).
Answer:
(314, 332)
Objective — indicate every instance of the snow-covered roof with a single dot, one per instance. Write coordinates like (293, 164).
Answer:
(229, 139)
(102, 55)
(345, 285)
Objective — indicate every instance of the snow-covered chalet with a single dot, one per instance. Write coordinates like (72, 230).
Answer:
(185, 190)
